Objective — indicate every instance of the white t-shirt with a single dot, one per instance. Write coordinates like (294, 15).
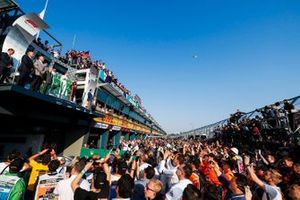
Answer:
(64, 189)
(142, 169)
(273, 192)
(114, 178)
(168, 172)
(176, 191)
(47, 182)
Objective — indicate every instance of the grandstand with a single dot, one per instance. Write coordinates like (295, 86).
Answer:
(56, 119)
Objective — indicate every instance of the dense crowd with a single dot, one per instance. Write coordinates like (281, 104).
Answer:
(277, 120)
(248, 158)
(82, 60)
(173, 169)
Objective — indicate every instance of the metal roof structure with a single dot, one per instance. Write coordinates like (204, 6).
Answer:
(6, 5)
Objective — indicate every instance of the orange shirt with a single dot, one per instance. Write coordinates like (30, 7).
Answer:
(210, 173)
(228, 175)
(194, 178)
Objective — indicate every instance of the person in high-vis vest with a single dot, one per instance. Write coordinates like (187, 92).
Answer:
(13, 187)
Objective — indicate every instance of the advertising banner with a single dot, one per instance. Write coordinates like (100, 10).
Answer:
(130, 99)
(102, 75)
(101, 125)
(116, 128)
(115, 121)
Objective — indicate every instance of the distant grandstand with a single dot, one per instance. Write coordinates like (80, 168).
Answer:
(282, 121)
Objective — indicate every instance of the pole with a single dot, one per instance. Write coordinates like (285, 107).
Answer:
(41, 15)
(74, 41)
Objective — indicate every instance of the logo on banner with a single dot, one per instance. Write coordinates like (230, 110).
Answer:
(31, 23)
(100, 125)
(116, 128)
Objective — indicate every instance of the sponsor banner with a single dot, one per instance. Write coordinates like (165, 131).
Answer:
(116, 128)
(130, 99)
(118, 122)
(102, 75)
(101, 125)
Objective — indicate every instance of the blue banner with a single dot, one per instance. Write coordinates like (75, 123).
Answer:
(102, 75)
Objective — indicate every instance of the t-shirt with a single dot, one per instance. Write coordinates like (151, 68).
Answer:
(168, 174)
(37, 169)
(81, 194)
(64, 189)
(176, 191)
(194, 178)
(142, 169)
(138, 191)
(272, 192)
(237, 197)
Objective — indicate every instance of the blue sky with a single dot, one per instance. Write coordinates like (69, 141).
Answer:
(247, 51)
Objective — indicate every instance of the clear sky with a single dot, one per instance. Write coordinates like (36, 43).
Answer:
(192, 62)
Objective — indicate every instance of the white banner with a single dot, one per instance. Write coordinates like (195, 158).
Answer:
(100, 125)
(116, 128)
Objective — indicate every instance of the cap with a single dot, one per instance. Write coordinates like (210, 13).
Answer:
(235, 150)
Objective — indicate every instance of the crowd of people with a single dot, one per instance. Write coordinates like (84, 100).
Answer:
(34, 70)
(44, 45)
(82, 60)
(277, 119)
(36, 74)
(171, 169)
(248, 158)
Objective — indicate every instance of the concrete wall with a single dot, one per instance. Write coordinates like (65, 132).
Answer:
(74, 140)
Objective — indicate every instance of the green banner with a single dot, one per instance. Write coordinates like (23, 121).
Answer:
(102, 152)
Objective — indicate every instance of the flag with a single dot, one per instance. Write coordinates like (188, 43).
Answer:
(42, 14)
